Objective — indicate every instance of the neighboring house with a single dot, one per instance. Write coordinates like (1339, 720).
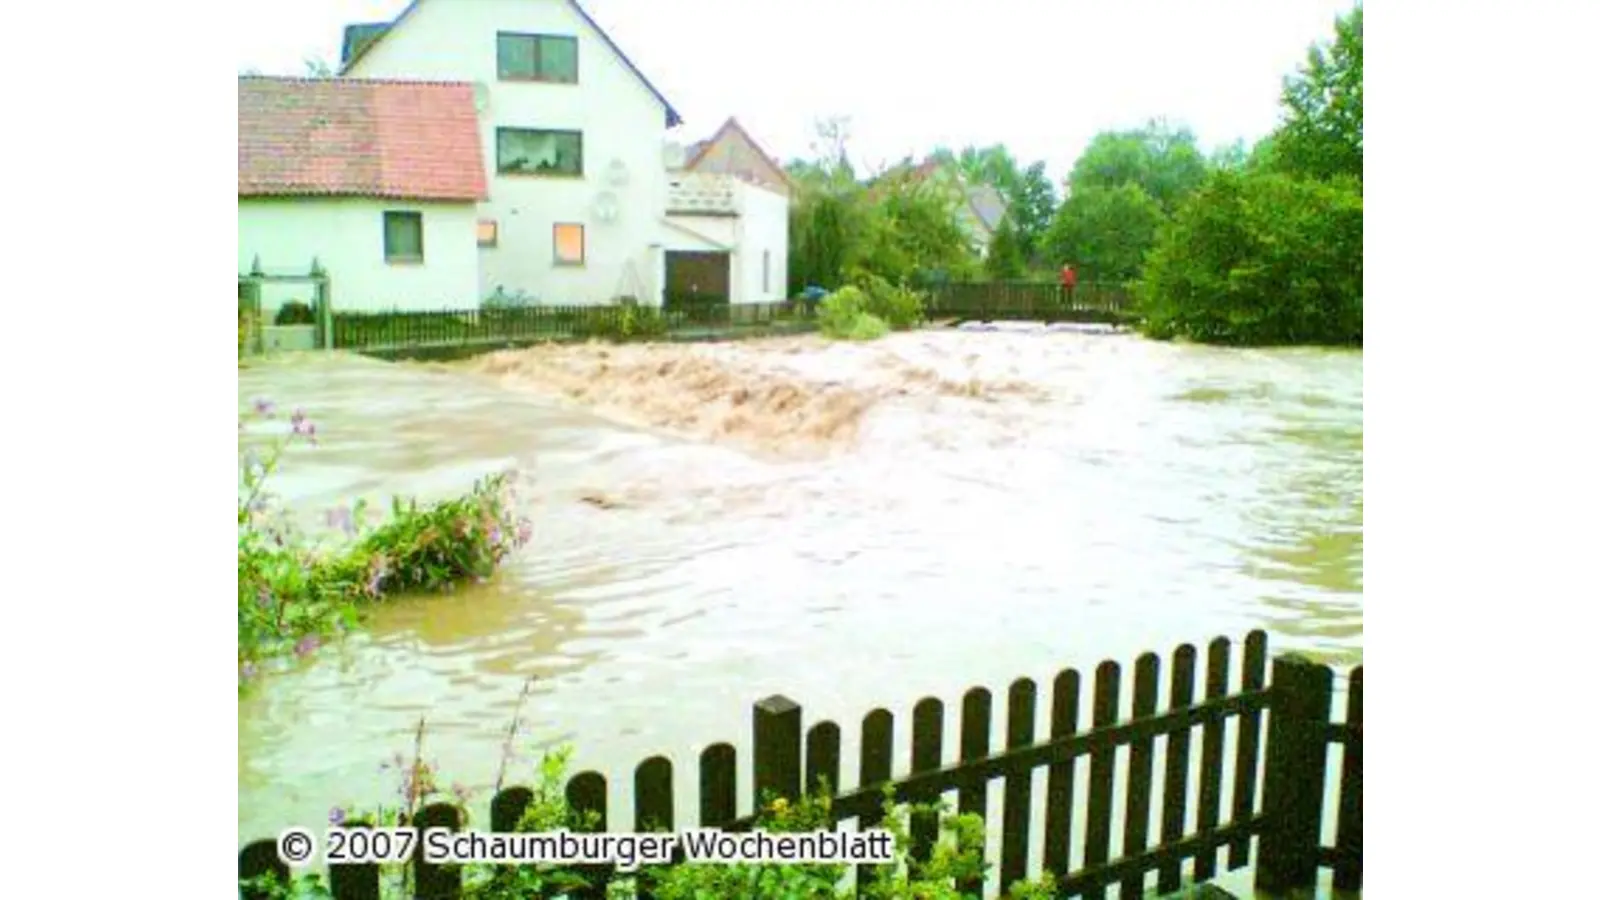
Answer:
(572, 134)
(377, 181)
(727, 216)
(979, 207)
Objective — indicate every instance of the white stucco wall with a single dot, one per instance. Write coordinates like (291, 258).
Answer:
(621, 121)
(700, 233)
(346, 235)
(764, 227)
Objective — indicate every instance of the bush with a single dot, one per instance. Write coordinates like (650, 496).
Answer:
(294, 594)
(1259, 259)
(867, 327)
(899, 307)
(868, 312)
(838, 312)
(295, 313)
(634, 323)
(245, 329)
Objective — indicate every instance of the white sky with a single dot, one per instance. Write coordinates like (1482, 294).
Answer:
(1041, 76)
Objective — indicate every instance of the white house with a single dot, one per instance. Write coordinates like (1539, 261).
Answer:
(572, 134)
(727, 219)
(377, 182)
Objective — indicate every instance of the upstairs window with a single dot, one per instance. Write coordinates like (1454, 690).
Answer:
(531, 151)
(537, 57)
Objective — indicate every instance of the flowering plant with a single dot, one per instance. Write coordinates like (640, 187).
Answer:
(295, 593)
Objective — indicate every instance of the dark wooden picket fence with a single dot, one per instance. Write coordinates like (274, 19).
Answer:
(691, 317)
(992, 301)
(1157, 843)
(382, 333)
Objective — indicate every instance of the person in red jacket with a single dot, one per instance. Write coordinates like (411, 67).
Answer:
(1069, 281)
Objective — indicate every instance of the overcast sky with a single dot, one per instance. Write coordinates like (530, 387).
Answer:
(1040, 76)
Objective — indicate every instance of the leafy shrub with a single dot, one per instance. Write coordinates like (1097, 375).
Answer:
(1258, 259)
(899, 307)
(838, 312)
(293, 594)
(867, 327)
(295, 312)
(634, 323)
(246, 318)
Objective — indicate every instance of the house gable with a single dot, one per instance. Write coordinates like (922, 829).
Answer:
(732, 151)
(360, 40)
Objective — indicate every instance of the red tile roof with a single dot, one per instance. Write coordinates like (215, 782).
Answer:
(404, 140)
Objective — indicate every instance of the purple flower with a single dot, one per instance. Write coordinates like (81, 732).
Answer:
(524, 532)
(306, 644)
(494, 536)
(298, 421)
(380, 569)
(264, 407)
(336, 816)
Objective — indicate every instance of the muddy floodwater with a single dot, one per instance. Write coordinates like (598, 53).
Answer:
(852, 526)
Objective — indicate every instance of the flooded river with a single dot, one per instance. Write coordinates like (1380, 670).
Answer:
(849, 525)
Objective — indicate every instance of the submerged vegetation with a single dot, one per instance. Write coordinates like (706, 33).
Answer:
(295, 593)
(869, 309)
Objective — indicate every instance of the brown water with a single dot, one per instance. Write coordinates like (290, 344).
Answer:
(850, 525)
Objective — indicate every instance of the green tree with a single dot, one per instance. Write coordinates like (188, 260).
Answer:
(828, 219)
(1005, 261)
(1031, 208)
(911, 229)
(1105, 231)
(1232, 156)
(1259, 259)
(1321, 133)
(993, 165)
(1263, 156)
(1029, 194)
(1162, 159)
(825, 223)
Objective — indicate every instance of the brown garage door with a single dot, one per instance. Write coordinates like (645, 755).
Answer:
(697, 278)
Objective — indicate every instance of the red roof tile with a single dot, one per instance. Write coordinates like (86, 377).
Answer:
(406, 140)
